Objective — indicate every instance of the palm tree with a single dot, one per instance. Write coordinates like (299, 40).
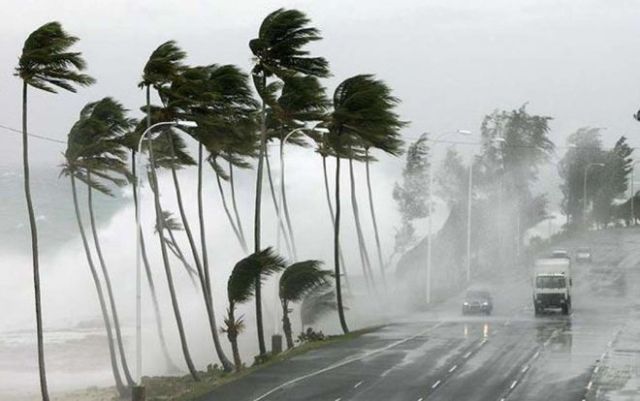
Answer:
(242, 286)
(279, 51)
(296, 282)
(111, 115)
(362, 108)
(325, 151)
(47, 64)
(220, 100)
(82, 150)
(163, 65)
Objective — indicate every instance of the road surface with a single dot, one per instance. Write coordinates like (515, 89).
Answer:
(592, 354)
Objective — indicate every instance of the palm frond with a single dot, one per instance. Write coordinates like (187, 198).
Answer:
(242, 281)
(301, 278)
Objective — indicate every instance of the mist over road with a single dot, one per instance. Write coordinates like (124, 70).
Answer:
(511, 355)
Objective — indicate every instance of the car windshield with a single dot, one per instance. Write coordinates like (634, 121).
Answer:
(551, 282)
(477, 295)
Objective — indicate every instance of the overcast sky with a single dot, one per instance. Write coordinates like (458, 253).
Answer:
(450, 62)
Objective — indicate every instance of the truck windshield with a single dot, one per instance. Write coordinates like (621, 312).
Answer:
(550, 282)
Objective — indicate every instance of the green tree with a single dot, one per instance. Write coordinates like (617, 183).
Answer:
(46, 63)
(163, 66)
(411, 195)
(296, 282)
(279, 52)
(241, 287)
(363, 110)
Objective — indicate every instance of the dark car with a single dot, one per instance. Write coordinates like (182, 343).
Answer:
(477, 301)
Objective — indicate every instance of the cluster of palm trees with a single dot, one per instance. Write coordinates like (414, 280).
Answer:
(232, 130)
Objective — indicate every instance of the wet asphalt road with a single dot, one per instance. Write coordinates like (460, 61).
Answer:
(441, 355)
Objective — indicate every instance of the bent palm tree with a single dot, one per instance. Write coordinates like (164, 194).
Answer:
(242, 286)
(279, 51)
(47, 64)
(297, 281)
(362, 108)
(163, 65)
(81, 150)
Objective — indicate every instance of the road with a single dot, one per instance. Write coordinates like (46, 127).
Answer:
(511, 355)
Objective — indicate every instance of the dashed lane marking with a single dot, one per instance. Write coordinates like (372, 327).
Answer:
(515, 383)
(454, 367)
(436, 384)
(357, 384)
(347, 361)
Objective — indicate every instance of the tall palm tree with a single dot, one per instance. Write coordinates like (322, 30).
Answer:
(81, 154)
(362, 108)
(296, 282)
(46, 63)
(163, 65)
(279, 51)
(111, 115)
(242, 286)
(220, 100)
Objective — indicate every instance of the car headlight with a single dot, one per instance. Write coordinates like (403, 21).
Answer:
(466, 304)
(485, 303)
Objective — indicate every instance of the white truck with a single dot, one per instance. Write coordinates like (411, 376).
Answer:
(552, 285)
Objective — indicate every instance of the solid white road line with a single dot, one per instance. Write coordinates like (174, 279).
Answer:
(347, 361)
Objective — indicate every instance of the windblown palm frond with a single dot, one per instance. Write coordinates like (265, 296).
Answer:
(302, 278)
(241, 284)
(364, 115)
(164, 63)
(46, 62)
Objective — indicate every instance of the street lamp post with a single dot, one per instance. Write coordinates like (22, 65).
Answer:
(430, 224)
(138, 245)
(584, 195)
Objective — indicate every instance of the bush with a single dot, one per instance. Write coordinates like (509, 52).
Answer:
(311, 335)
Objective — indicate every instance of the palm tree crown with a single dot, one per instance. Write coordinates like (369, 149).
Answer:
(46, 62)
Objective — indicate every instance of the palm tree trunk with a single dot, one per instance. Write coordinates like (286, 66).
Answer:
(232, 335)
(241, 240)
(147, 269)
(96, 281)
(177, 252)
(281, 227)
(226, 363)
(284, 203)
(107, 280)
(364, 254)
(286, 325)
(165, 256)
(235, 207)
(336, 251)
(256, 222)
(202, 274)
(373, 219)
(333, 219)
(34, 248)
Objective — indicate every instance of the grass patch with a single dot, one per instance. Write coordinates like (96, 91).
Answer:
(183, 388)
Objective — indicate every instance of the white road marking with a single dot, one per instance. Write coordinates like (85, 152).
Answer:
(338, 399)
(525, 368)
(467, 355)
(604, 354)
(347, 361)
(436, 384)
(515, 383)
(357, 384)
(537, 354)
(597, 368)
(589, 385)
(453, 368)
(420, 399)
